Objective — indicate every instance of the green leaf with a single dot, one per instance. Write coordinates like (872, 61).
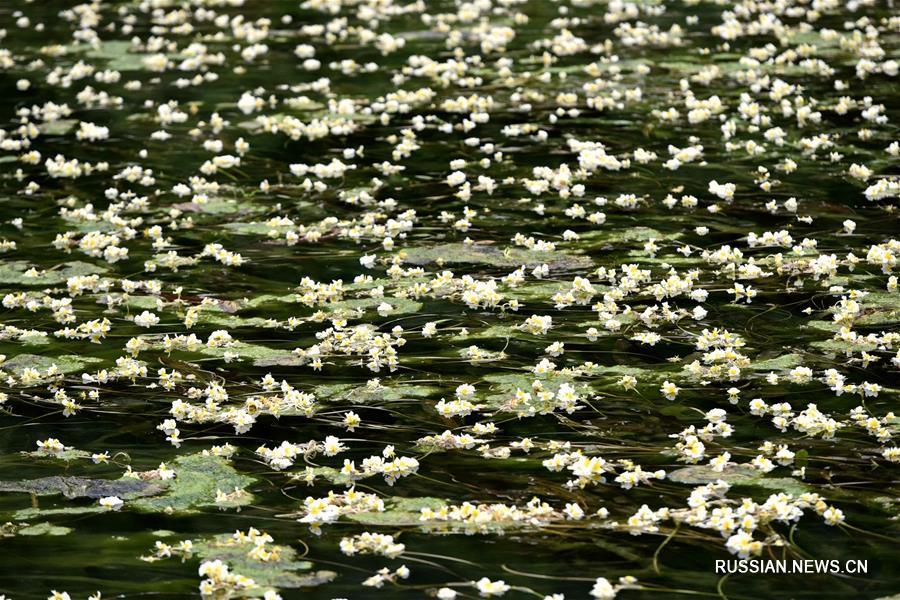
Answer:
(44, 529)
(283, 572)
(197, 479)
(58, 127)
(492, 256)
(81, 487)
(14, 272)
(399, 512)
(738, 475)
(67, 363)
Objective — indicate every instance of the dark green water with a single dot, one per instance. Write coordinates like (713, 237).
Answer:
(789, 323)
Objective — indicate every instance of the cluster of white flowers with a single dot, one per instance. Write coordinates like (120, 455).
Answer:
(372, 543)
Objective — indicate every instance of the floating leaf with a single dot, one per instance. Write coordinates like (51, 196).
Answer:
(285, 571)
(14, 272)
(365, 394)
(780, 363)
(198, 478)
(119, 56)
(737, 475)
(69, 454)
(58, 127)
(398, 512)
(44, 529)
(81, 487)
(492, 256)
(67, 363)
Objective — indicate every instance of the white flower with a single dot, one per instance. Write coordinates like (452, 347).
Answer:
(248, 103)
(603, 589)
(833, 516)
(669, 390)
(456, 178)
(111, 502)
(489, 589)
(725, 191)
(146, 319)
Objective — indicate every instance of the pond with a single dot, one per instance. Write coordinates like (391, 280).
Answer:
(449, 299)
